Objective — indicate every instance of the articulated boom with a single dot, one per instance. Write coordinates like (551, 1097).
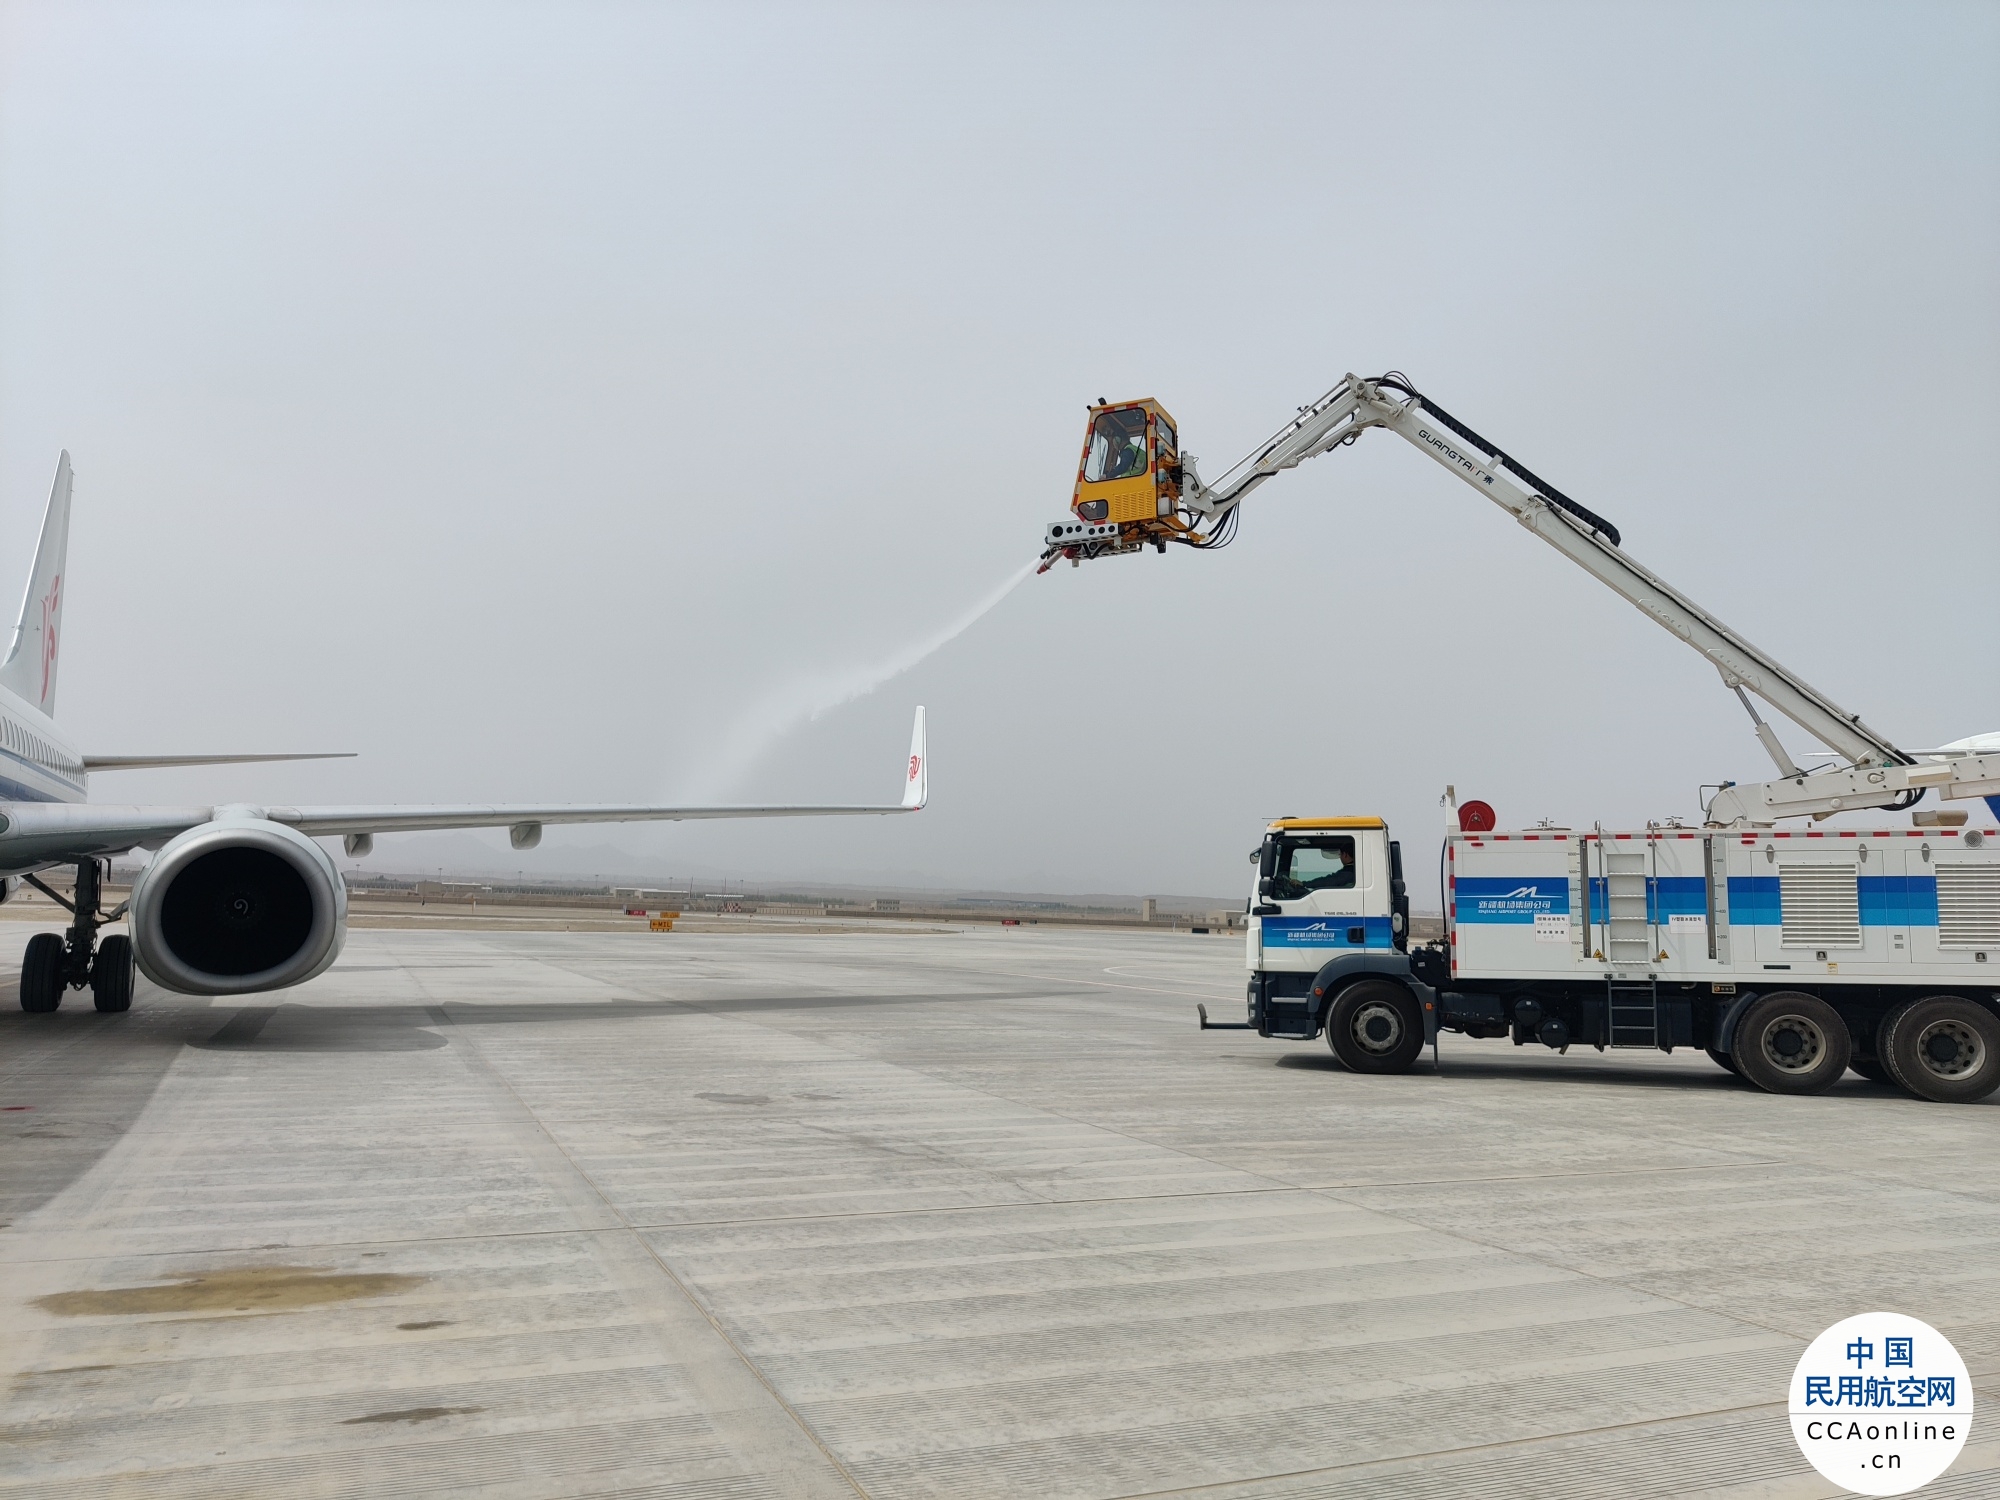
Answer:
(1204, 517)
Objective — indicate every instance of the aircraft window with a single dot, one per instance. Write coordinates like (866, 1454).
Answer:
(1304, 865)
(1165, 432)
(1117, 445)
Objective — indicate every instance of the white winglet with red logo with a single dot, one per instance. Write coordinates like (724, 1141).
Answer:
(917, 776)
(30, 669)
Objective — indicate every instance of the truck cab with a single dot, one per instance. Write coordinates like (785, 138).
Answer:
(1325, 889)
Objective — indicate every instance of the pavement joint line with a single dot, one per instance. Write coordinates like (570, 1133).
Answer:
(1103, 984)
(1628, 1282)
(1229, 1485)
(1983, 1452)
(648, 1227)
(749, 1365)
(701, 1006)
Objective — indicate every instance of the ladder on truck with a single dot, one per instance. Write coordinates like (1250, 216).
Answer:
(1631, 995)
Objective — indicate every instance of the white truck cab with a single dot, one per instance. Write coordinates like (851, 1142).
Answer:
(1324, 885)
(1326, 889)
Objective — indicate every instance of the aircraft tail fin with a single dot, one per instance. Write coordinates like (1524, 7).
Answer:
(29, 671)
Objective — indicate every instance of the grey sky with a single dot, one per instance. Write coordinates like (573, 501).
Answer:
(521, 395)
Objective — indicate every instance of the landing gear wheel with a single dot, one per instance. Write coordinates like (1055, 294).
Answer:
(111, 975)
(1943, 1048)
(1871, 1070)
(42, 978)
(1792, 1043)
(1375, 1027)
(1723, 1061)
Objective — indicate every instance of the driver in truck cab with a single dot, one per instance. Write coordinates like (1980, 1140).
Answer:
(1314, 865)
(1341, 876)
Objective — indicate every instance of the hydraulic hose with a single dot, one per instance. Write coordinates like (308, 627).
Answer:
(1548, 491)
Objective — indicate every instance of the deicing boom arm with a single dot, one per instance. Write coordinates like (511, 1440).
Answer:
(1586, 539)
(1881, 773)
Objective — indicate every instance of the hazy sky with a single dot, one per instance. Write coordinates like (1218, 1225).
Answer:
(525, 395)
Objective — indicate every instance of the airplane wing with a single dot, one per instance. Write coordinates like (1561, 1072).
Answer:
(33, 833)
(156, 762)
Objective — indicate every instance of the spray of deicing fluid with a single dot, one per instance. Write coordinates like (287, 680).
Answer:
(792, 704)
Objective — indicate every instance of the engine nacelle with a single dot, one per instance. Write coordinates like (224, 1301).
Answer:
(235, 906)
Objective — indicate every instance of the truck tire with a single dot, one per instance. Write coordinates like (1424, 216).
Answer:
(1943, 1048)
(1722, 1060)
(1792, 1043)
(1375, 1026)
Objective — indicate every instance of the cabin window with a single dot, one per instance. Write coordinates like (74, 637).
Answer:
(1323, 862)
(1117, 445)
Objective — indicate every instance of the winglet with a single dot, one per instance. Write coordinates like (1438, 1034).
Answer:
(916, 781)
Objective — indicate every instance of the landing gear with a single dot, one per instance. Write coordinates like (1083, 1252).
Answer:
(55, 964)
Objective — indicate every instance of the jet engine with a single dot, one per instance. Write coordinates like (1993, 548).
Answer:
(235, 906)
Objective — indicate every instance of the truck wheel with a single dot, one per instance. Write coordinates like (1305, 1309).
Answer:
(42, 983)
(1375, 1027)
(1722, 1060)
(1943, 1048)
(1792, 1043)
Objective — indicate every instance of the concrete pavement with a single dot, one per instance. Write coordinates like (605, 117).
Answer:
(912, 1214)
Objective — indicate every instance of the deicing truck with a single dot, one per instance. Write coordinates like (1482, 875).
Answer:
(1788, 954)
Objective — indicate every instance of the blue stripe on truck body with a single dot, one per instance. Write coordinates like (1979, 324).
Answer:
(1326, 932)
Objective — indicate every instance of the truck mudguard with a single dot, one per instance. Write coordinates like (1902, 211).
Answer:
(1725, 1029)
(1344, 968)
